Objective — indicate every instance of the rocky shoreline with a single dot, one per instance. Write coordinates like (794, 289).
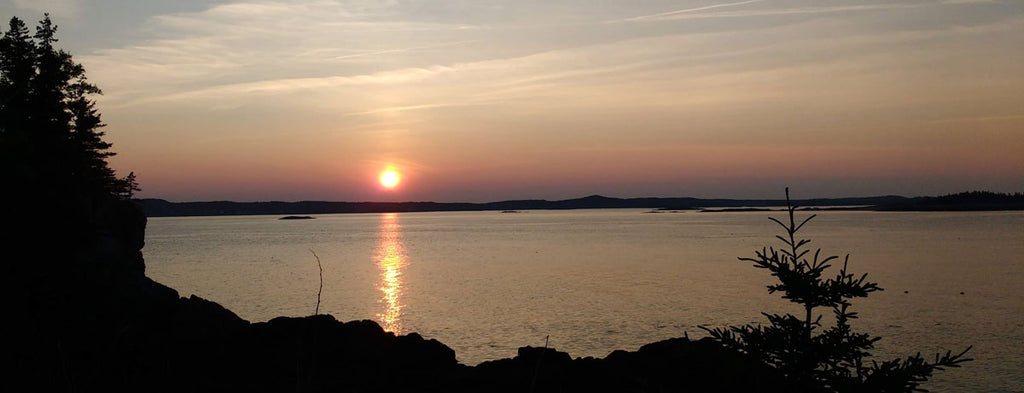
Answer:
(90, 320)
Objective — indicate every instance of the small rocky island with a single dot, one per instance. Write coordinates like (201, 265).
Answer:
(296, 218)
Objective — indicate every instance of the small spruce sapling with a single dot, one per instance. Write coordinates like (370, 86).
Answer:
(813, 358)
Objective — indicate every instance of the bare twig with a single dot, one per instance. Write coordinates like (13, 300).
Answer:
(318, 291)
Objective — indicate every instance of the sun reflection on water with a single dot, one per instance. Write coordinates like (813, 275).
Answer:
(390, 260)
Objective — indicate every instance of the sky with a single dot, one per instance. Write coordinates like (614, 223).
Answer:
(476, 100)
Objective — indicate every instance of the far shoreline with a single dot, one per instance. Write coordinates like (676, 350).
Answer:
(967, 201)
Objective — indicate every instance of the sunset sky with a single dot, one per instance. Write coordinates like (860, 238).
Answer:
(473, 100)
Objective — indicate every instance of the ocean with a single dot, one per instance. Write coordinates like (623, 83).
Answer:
(592, 281)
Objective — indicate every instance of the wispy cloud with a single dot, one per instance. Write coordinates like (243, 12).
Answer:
(58, 8)
(402, 50)
(413, 108)
(270, 46)
(715, 65)
(970, 1)
(686, 10)
(696, 14)
(239, 58)
(318, 82)
(976, 119)
(292, 85)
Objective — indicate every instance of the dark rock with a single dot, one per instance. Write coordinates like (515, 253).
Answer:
(86, 318)
(667, 366)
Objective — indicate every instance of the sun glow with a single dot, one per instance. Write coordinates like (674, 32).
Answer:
(389, 178)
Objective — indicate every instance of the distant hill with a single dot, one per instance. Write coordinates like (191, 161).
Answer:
(162, 208)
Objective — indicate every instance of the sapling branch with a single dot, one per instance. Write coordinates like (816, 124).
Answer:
(318, 291)
(811, 357)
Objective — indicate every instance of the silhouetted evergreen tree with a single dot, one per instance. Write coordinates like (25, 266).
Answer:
(53, 149)
(813, 358)
(130, 186)
(72, 270)
(17, 69)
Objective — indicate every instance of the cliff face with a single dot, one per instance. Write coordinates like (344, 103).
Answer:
(86, 318)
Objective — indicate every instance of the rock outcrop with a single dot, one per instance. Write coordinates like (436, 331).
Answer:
(86, 318)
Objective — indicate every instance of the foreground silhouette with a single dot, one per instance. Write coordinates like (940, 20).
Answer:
(91, 321)
(82, 316)
(811, 357)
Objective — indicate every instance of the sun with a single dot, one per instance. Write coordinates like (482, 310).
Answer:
(389, 178)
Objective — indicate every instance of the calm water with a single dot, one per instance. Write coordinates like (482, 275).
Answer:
(486, 283)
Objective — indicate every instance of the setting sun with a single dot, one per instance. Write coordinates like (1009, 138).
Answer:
(389, 179)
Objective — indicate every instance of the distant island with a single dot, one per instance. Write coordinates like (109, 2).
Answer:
(737, 209)
(965, 201)
(296, 218)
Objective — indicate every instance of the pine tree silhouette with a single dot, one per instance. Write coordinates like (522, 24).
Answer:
(50, 130)
(814, 359)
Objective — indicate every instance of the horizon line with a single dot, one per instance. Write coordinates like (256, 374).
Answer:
(558, 200)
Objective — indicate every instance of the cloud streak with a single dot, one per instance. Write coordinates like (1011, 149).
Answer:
(695, 14)
(291, 85)
(413, 108)
(402, 50)
(685, 11)
(378, 81)
(56, 8)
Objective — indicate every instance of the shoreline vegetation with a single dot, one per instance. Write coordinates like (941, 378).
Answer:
(965, 201)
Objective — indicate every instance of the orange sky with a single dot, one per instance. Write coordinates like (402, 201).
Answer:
(490, 100)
